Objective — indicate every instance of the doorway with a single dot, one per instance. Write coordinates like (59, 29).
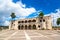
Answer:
(19, 27)
(34, 26)
(29, 27)
(22, 27)
(25, 27)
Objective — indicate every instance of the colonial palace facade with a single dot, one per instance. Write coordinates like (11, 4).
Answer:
(32, 23)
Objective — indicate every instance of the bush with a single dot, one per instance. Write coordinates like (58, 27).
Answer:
(43, 29)
(0, 28)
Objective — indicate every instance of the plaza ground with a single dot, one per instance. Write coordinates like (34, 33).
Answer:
(30, 35)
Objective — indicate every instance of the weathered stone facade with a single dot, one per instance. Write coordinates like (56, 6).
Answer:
(32, 23)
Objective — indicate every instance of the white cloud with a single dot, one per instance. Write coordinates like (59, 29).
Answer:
(54, 16)
(6, 23)
(7, 7)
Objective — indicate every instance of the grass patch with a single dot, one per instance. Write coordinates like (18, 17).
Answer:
(3, 27)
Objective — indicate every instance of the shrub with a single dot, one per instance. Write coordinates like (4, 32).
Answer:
(43, 29)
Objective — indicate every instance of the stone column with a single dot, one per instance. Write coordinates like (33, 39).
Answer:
(44, 25)
(49, 23)
(10, 26)
(16, 25)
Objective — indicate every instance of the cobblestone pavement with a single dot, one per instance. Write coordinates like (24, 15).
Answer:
(30, 35)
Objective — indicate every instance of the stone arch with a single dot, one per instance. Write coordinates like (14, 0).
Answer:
(22, 21)
(33, 20)
(40, 20)
(43, 20)
(26, 26)
(39, 26)
(41, 17)
(34, 26)
(19, 27)
(19, 21)
(29, 27)
(22, 26)
(25, 21)
(29, 21)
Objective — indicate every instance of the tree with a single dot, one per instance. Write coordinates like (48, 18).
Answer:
(58, 21)
(13, 15)
(41, 14)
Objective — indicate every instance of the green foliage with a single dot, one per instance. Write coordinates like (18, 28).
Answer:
(0, 28)
(58, 21)
(13, 15)
(3, 27)
(41, 14)
(55, 26)
(43, 29)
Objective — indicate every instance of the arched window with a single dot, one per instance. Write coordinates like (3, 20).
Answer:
(12, 22)
(40, 20)
(25, 21)
(34, 26)
(33, 20)
(19, 27)
(25, 26)
(29, 21)
(43, 20)
(19, 21)
(39, 26)
(41, 17)
(22, 21)
(29, 27)
(22, 26)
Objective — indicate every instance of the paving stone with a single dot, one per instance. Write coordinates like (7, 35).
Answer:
(33, 35)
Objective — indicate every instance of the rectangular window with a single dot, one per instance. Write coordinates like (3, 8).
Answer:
(40, 20)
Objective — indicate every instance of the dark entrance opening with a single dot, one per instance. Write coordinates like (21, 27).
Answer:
(29, 27)
(39, 26)
(34, 26)
(22, 27)
(19, 27)
(33, 20)
(29, 21)
(25, 26)
(25, 21)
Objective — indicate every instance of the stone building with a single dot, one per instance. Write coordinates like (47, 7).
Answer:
(31, 23)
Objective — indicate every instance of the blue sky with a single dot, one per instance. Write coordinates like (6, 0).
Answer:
(46, 6)
(28, 9)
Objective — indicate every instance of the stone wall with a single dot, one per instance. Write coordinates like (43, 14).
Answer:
(40, 23)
